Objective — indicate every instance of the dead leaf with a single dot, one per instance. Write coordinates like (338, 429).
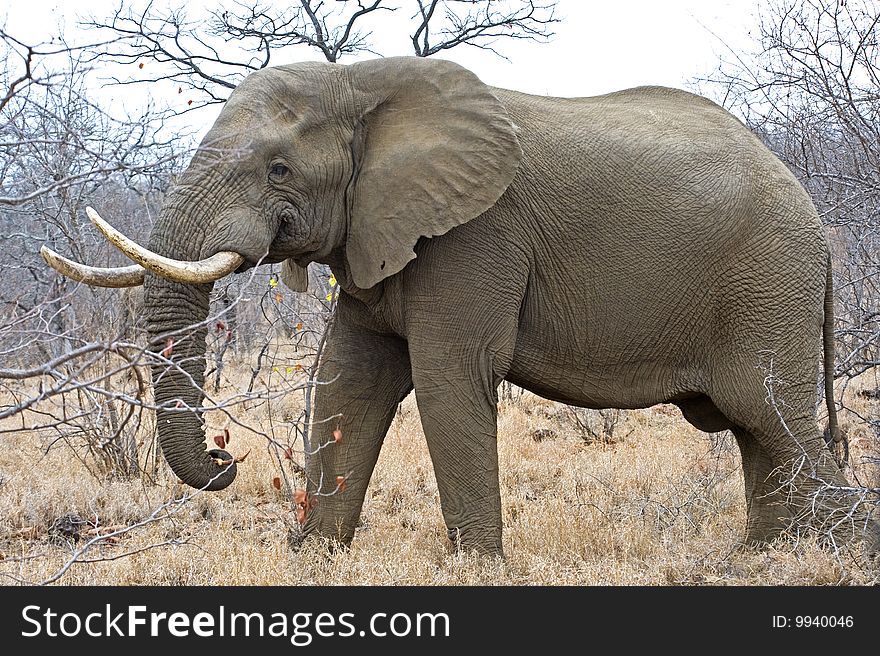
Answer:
(276, 483)
(220, 441)
(340, 483)
(303, 504)
(169, 348)
(337, 435)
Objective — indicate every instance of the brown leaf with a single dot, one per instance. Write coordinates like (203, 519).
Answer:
(220, 327)
(288, 453)
(179, 89)
(220, 441)
(189, 102)
(241, 458)
(276, 483)
(303, 505)
(226, 435)
(340, 483)
(169, 348)
(299, 326)
(141, 65)
(337, 435)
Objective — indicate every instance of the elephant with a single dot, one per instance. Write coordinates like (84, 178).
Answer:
(615, 251)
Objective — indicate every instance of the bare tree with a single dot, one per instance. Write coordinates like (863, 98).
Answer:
(211, 54)
(59, 151)
(812, 93)
(480, 24)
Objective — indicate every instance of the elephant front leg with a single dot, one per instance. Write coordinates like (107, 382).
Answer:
(362, 378)
(457, 404)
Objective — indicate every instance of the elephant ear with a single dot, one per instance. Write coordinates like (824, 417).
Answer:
(434, 148)
(294, 276)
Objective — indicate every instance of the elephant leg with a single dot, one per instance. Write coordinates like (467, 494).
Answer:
(363, 376)
(791, 478)
(462, 332)
(457, 402)
(766, 507)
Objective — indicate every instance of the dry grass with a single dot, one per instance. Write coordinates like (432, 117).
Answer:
(663, 506)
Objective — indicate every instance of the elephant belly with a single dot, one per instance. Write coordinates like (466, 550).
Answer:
(599, 378)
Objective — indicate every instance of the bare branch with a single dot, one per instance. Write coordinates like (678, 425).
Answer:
(480, 24)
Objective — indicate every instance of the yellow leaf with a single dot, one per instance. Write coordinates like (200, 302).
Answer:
(273, 282)
(299, 326)
(332, 280)
(289, 370)
(329, 296)
(275, 369)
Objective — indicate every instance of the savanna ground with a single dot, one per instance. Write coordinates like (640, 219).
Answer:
(656, 502)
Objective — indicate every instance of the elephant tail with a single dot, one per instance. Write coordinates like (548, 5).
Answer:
(835, 440)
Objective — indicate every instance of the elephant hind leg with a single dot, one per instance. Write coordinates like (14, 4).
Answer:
(791, 478)
(766, 508)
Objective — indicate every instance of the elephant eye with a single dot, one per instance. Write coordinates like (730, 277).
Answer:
(278, 171)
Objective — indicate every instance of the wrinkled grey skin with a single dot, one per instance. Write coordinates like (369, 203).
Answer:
(615, 251)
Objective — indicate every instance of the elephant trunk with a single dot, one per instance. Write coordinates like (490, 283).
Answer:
(175, 314)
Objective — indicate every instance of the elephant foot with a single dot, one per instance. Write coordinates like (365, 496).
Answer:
(483, 543)
(765, 525)
(328, 529)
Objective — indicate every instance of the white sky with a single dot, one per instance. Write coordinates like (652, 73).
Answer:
(599, 46)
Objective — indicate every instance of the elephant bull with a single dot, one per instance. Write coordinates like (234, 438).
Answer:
(614, 251)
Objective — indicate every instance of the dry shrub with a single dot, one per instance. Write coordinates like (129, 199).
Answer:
(663, 507)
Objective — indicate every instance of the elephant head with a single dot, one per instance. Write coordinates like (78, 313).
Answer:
(345, 165)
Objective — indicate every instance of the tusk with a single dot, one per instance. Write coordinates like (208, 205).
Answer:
(130, 276)
(203, 271)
